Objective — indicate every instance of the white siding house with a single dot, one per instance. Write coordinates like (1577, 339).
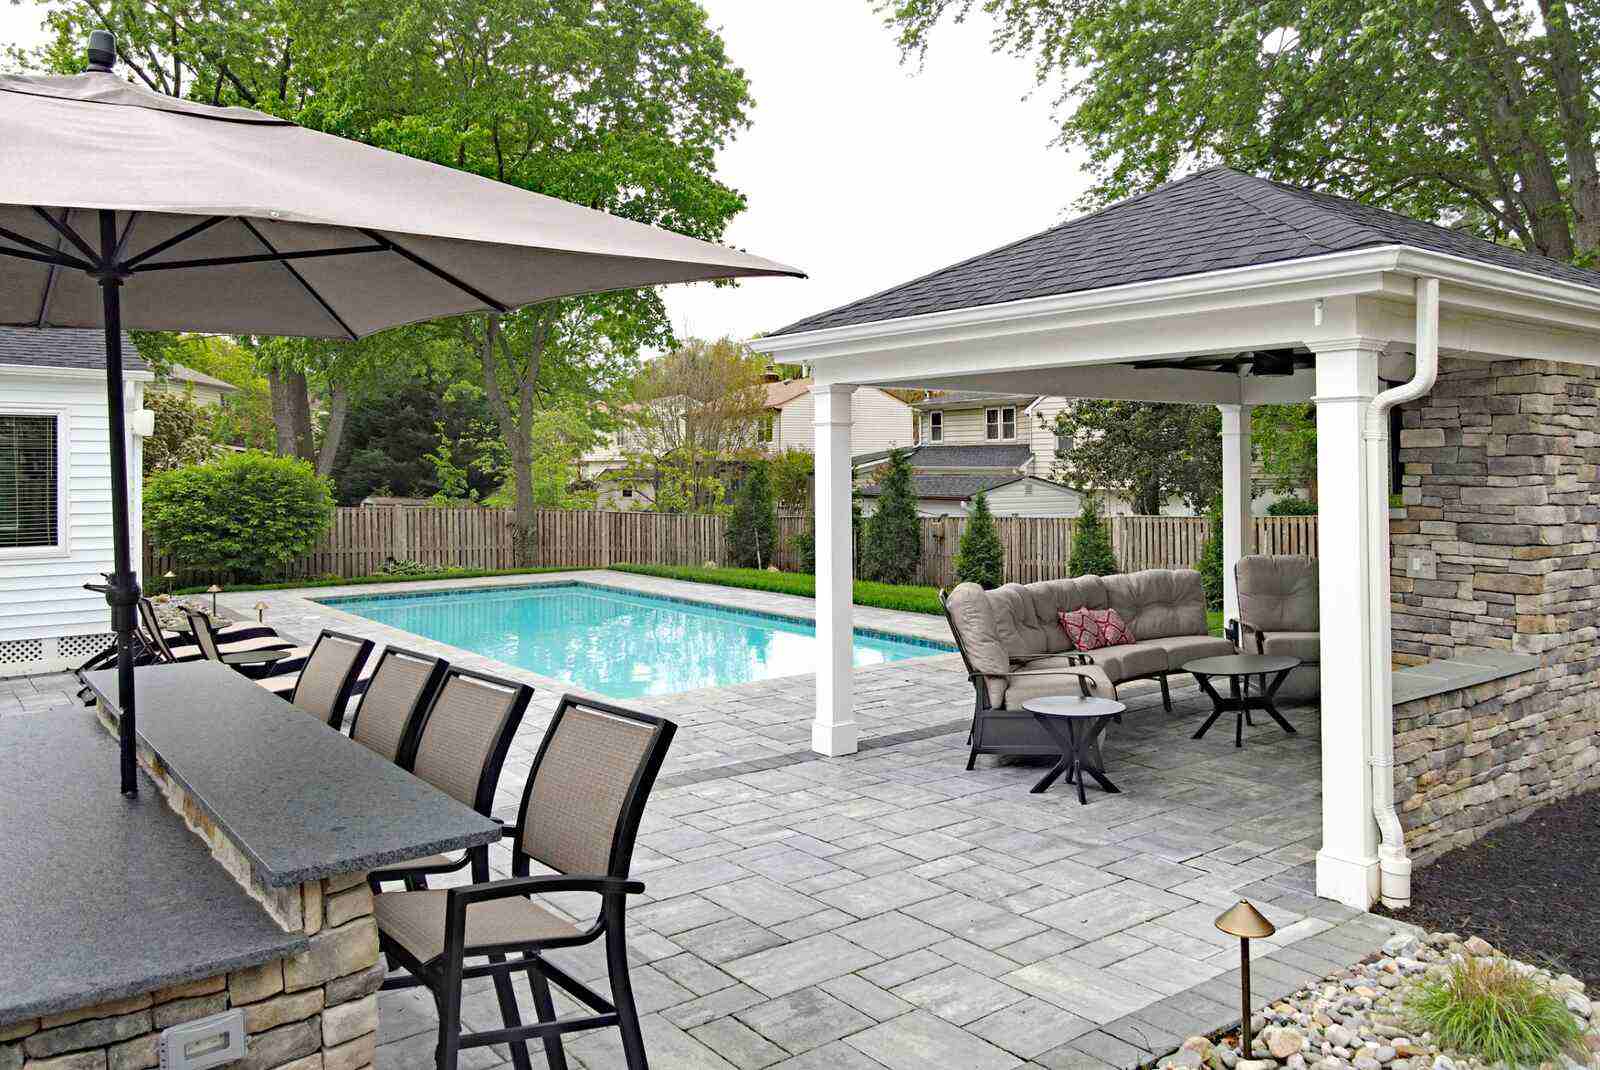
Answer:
(55, 493)
(881, 421)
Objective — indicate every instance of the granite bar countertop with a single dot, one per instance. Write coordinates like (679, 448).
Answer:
(103, 897)
(298, 798)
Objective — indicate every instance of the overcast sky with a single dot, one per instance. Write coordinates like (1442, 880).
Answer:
(860, 170)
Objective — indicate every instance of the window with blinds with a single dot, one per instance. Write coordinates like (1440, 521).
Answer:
(30, 482)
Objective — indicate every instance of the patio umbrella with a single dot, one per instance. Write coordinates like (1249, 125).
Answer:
(122, 208)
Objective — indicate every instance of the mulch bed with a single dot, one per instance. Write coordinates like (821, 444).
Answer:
(1530, 889)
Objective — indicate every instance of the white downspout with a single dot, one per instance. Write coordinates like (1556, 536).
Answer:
(1394, 865)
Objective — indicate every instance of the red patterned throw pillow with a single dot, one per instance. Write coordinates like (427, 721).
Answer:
(1091, 629)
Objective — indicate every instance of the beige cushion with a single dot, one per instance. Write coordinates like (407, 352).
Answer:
(1130, 659)
(973, 616)
(1182, 648)
(415, 921)
(1051, 598)
(1020, 689)
(1159, 602)
(1278, 592)
(1307, 646)
(1018, 625)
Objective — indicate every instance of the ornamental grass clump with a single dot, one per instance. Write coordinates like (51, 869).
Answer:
(1489, 1008)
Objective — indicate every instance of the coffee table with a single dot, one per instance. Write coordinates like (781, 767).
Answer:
(1238, 668)
(1075, 723)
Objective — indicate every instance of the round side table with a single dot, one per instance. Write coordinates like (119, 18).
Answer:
(1238, 668)
(1075, 723)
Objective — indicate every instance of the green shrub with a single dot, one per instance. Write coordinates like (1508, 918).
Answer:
(910, 599)
(1211, 570)
(752, 531)
(395, 567)
(804, 543)
(1091, 543)
(1292, 507)
(350, 581)
(247, 513)
(1488, 1008)
(893, 541)
(980, 558)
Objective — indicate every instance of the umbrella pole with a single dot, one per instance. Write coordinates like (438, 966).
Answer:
(122, 588)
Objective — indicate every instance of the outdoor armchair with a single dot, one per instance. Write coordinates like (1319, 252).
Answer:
(402, 686)
(1280, 614)
(459, 746)
(578, 818)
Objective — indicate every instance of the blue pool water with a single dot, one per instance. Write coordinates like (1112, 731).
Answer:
(618, 643)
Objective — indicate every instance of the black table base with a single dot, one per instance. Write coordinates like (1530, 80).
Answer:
(1240, 704)
(1080, 752)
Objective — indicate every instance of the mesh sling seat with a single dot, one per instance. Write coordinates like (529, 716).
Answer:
(254, 663)
(458, 745)
(322, 681)
(402, 685)
(171, 646)
(579, 817)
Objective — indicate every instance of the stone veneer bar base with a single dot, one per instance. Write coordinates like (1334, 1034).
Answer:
(1494, 548)
(315, 1010)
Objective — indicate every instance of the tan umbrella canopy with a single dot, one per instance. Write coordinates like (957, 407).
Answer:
(124, 208)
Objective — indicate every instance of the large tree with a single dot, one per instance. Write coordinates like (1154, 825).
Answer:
(694, 415)
(1146, 452)
(620, 106)
(1476, 112)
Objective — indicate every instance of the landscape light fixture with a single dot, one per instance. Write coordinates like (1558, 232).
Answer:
(213, 591)
(1247, 923)
(261, 611)
(169, 576)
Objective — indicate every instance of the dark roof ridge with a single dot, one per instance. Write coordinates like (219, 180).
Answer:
(1268, 206)
(1023, 240)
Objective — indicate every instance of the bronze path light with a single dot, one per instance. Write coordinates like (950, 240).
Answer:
(1247, 923)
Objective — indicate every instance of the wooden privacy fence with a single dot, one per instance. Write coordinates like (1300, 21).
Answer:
(362, 538)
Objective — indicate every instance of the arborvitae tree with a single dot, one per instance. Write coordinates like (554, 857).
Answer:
(980, 558)
(1091, 543)
(894, 532)
(753, 527)
(1211, 558)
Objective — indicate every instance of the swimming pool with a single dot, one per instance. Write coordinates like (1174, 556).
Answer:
(619, 643)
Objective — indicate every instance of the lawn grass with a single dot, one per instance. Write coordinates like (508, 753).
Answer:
(878, 595)
(334, 581)
(911, 599)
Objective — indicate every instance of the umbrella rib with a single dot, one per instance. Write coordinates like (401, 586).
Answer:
(260, 258)
(181, 236)
(60, 226)
(43, 253)
(262, 238)
(436, 270)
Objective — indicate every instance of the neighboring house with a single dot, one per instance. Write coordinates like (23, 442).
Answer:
(204, 389)
(881, 422)
(55, 493)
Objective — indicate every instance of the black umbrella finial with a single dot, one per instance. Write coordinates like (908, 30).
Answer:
(102, 50)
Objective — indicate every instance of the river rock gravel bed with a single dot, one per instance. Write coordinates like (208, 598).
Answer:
(1355, 1018)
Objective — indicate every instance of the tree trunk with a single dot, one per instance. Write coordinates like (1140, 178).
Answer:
(1572, 97)
(291, 414)
(338, 409)
(516, 428)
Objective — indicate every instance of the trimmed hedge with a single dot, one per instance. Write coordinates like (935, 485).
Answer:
(910, 599)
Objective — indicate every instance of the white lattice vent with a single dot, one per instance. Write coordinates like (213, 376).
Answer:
(77, 648)
(17, 655)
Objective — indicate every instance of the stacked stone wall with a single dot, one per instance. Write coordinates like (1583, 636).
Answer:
(316, 1010)
(1494, 540)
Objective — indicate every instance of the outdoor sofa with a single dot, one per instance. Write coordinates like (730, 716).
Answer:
(1015, 649)
(1280, 614)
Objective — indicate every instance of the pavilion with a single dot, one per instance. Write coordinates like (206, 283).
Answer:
(1223, 288)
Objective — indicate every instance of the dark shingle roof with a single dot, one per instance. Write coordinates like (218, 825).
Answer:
(1011, 456)
(63, 347)
(960, 487)
(1215, 219)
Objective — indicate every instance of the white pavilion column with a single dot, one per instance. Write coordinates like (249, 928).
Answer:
(833, 732)
(1347, 381)
(1238, 526)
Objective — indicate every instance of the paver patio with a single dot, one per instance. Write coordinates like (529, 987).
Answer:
(891, 909)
